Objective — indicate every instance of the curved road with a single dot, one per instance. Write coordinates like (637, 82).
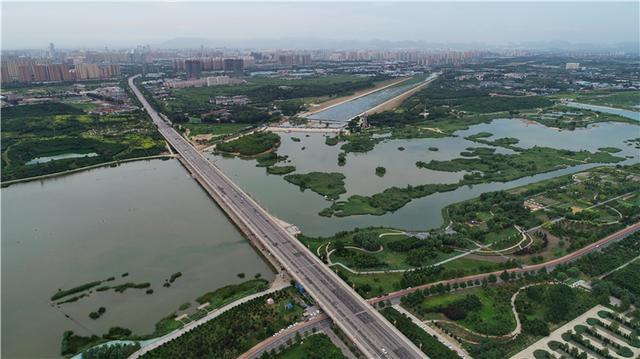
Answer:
(550, 265)
(367, 328)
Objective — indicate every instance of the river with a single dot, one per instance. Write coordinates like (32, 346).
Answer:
(150, 219)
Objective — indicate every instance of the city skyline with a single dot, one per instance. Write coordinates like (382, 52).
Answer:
(316, 24)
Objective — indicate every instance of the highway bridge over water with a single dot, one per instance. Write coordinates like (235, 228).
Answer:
(371, 333)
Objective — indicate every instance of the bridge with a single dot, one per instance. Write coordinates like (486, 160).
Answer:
(367, 328)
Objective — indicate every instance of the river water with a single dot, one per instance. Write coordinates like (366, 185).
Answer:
(150, 219)
(301, 208)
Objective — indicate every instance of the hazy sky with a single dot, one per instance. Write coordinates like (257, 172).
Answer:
(123, 24)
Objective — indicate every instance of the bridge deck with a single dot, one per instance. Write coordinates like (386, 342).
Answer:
(373, 335)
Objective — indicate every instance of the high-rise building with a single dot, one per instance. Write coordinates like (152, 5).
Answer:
(235, 66)
(193, 68)
(51, 52)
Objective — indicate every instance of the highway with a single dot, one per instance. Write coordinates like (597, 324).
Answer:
(369, 331)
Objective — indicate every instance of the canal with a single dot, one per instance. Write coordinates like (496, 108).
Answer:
(350, 109)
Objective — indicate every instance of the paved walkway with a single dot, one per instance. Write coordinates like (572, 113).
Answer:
(212, 315)
(557, 334)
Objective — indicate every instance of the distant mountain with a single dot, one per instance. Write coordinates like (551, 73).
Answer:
(308, 44)
(377, 44)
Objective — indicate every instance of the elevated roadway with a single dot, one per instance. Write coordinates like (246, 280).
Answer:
(369, 331)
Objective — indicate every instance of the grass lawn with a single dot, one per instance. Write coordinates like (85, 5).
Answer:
(503, 239)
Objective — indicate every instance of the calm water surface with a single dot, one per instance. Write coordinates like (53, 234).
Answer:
(149, 219)
(301, 208)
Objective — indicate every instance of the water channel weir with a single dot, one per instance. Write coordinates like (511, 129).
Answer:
(368, 330)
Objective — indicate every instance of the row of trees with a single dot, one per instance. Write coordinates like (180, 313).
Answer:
(233, 332)
(428, 344)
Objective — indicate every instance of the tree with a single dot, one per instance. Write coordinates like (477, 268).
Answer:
(504, 276)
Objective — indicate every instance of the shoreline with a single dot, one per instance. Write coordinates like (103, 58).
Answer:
(5, 184)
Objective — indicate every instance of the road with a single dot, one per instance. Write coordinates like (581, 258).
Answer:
(274, 342)
(196, 323)
(369, 331)
(550, 265)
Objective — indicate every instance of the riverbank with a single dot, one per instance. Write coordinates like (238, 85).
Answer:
(81, 169)
(339, 101)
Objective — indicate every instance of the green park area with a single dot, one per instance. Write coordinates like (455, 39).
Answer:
(251, 145)
(54, 137)
(528, 224)
(482, 318)
(384, 249)
(371, 254)
(547, 219)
